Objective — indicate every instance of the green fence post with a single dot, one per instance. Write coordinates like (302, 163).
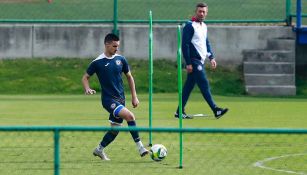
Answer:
(288, 13)
(56, 152)
(179, 72)
(150, 76)
(115, 18)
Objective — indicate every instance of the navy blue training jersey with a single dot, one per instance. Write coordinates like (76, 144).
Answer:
(109, 72)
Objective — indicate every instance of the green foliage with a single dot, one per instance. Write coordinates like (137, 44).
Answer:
(63, 76)
(301, 80)
(226, 81)
(41, 76)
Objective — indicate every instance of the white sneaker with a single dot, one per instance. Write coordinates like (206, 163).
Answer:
(143, 151)
(101, 154)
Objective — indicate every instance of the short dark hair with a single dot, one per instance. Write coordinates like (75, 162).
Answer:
(201, 4)
(110, 37)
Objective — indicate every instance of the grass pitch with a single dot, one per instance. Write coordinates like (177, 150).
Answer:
(204, 153)
(138, 9)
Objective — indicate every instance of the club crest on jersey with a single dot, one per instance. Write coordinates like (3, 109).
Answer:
(113, 105)
(199, 67)
(118, 62)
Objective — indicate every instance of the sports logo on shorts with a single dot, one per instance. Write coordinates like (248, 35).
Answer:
(118, 62)
(199, 67)
(113, 105)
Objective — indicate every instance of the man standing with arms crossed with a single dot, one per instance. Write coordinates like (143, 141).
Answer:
(196, 48)
(109, 67)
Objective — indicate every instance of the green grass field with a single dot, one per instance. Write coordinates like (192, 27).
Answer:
(138, 10)
(204, 153)
(162, 9)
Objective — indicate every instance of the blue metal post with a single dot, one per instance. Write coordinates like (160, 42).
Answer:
(298, 14)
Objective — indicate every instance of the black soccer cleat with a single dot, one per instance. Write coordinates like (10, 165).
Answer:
(184, 116)
(219, 112)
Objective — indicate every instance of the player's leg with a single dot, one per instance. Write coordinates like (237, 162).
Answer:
(129, 117)
(186, 91)
(203, 84)
(107, 139)
(110, 106)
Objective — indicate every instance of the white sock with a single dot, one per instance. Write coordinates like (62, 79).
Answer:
(100, 148)
(139, 144)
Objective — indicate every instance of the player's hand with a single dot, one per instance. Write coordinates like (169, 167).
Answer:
(89, 91)
(189, 68)
(213, 63)
(135, 102)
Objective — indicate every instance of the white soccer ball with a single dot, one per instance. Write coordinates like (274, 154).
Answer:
(158, 152)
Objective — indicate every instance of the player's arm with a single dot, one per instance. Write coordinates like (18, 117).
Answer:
(135, 100)
(86, 85)
(187, 35)
(210, 54)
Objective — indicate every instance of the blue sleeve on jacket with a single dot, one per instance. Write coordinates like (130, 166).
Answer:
(187, 34)
(211, 56)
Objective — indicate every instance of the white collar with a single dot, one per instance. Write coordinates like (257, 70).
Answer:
(104, 56)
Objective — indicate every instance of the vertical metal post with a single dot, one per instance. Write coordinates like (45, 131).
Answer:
(298, 14)
(179, 72)
(288, 13)
(56, 152)
(115, 18)
(150, 76)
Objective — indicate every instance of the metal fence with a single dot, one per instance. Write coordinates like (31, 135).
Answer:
(136, 11)
(68, 150)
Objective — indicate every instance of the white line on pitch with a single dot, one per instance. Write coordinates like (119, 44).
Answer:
(260, 164)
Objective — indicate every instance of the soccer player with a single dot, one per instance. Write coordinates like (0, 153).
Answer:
(196, 48)
(109, 67)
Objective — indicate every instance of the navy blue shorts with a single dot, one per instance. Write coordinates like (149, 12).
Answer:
(113, 107)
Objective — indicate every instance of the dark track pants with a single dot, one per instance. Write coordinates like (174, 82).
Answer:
(198, 76)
